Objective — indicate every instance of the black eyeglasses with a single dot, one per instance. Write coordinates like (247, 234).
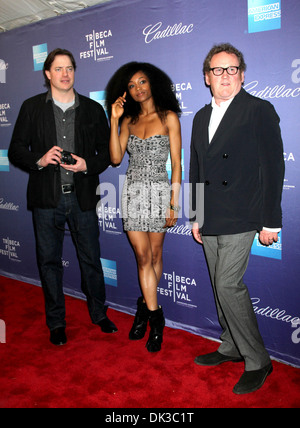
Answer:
(218, 71)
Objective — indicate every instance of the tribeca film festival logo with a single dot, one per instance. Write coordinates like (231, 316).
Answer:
(2, 332)
(183, 92)
(106, 217)
(10, 249)
(178, 288)
(97, 48)
(156, 32)
(4, 108)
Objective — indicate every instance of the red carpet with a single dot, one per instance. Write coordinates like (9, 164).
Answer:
(95, 370)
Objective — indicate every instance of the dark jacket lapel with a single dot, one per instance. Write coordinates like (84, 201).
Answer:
(228, 121)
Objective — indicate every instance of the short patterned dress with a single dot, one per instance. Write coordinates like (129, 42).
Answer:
(146, 192)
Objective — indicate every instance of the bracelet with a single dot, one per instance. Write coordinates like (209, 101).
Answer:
(174, 208)
(38, 165)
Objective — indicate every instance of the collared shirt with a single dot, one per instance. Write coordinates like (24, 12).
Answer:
(65, 129)
(216, 116)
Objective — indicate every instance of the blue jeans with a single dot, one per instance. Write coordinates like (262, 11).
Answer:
(50, 230)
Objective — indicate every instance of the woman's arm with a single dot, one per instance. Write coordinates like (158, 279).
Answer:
(118, 143)
(174, 128)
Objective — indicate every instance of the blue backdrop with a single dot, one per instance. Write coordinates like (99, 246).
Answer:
(175, 35)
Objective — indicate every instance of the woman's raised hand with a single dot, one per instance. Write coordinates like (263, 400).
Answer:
(117, 109)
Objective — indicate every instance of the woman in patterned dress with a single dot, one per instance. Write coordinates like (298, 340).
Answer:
(144, 116)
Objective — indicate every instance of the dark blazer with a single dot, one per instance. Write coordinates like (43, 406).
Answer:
(242, 169)
(35, 134)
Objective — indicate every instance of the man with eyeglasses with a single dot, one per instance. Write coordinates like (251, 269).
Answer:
(61, 138)
(237, 153)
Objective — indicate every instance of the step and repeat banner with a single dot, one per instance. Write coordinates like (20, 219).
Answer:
(174, 35)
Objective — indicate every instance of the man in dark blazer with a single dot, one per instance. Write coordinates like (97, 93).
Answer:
(237, 156)
(62, 186)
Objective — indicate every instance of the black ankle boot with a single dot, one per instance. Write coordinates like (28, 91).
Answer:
(157, 324)
(139, 327)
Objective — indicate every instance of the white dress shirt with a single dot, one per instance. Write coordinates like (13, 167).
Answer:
(216, 116)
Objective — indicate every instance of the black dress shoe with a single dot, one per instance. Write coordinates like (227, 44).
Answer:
(216, 358)
(253, 380)
(58, 336)
(107, 326)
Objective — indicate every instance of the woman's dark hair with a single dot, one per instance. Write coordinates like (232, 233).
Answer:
(224, 47)
(51, 57)
(161, 88)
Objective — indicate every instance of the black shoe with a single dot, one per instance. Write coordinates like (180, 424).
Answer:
(157, 324)
(215, 358)
(107, 326)
(58, 336)
(141, 318)
(253, 380)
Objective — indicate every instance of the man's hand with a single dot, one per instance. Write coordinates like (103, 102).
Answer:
(268, 238)
(196, 233)
(51, 158)
(80, 165)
